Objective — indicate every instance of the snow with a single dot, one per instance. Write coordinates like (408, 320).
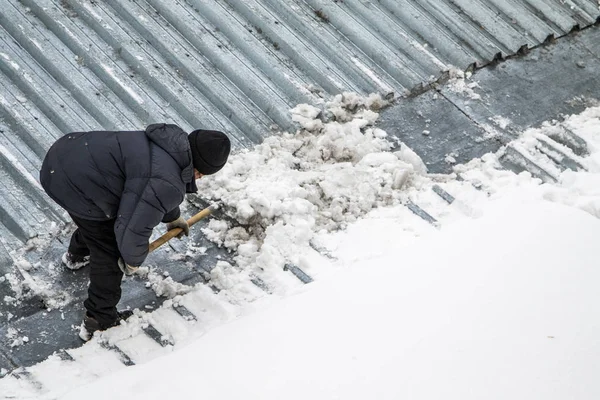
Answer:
(25, 287)
(164, 286)
(496, 300)
(500, 121)
(453, 323)
(336, 168)
(459, 83)
(13, 335)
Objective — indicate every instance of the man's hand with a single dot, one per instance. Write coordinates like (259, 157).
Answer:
(126, 268)
(179, 223)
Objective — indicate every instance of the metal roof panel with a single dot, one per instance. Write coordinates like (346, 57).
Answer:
(239, 66)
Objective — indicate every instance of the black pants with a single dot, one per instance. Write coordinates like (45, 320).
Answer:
(97, 239)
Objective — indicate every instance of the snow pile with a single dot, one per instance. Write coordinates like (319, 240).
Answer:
(335, 169)
(308, 174)
(164, 286)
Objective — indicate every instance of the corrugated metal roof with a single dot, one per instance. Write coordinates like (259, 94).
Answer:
(235, 65)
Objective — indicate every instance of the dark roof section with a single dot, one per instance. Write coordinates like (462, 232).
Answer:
(236, 66)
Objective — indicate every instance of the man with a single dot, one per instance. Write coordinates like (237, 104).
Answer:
(117, 186)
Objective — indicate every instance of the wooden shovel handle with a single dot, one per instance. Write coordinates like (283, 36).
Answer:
(174, 232)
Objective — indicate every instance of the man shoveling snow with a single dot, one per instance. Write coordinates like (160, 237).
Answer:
(117, 186)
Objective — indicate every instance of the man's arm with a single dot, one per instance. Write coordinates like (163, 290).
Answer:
(140, 213)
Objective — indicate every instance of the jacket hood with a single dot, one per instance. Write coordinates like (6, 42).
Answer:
(174, 141)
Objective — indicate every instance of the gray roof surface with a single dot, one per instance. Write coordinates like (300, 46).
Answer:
(236, 65)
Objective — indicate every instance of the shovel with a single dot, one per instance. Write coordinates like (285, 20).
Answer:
(174, 232)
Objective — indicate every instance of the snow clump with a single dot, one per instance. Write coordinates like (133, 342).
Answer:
(336, 168)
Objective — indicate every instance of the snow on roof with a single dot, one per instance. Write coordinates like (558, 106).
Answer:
(501, 293)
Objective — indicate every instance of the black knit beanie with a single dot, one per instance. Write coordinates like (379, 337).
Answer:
(210, 150)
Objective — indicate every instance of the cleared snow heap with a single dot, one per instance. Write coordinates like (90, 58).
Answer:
(334, 169)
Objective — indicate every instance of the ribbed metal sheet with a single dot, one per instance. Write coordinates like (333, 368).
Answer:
(236, 65)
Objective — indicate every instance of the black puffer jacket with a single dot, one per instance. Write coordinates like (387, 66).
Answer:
(138, 178)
